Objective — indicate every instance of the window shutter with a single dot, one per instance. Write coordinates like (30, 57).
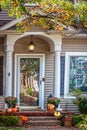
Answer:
(62, 72)
(1, 75)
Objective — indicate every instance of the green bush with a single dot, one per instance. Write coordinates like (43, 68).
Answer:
(77, 119)
(80, 100)
(9, 120)
(82, 106)
(82, 125)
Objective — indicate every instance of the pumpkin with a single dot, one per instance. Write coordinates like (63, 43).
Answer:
(51, 107)
(24, 118)
(57, 114)
(11, 110)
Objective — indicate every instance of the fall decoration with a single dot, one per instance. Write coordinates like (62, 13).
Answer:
(24, 118)
(49, 14)
(11, 109)
(51, 107)
(54, 100)
(57, 114)
(11, 101)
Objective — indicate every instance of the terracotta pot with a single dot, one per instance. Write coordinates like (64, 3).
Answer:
(68, 121)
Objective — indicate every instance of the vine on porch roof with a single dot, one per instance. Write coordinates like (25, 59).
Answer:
(49, 14)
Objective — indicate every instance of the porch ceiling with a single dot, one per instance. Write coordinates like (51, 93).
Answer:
(41, 37)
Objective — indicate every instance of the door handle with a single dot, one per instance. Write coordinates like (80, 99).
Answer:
(43, 79)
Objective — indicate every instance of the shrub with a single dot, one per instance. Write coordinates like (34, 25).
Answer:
(9, 120)
(80, 100)
(83, 105)
(83, 124)
(77, 119)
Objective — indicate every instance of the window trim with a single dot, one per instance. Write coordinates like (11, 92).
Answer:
(67, 66)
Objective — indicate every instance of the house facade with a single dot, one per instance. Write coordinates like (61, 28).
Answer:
(57, 64)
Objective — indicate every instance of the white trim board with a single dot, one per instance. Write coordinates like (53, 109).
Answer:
(42, 75)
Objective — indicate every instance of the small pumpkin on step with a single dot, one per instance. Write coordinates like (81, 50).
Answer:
(24, 118)
(57, 114)
(51, 107)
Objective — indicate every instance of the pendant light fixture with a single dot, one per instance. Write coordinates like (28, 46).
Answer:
(31, 45)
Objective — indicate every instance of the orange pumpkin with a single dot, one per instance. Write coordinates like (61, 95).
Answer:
(24, 118)
(51, 107)
(13, 109)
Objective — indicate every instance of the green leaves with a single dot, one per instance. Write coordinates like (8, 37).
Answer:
(49, 14)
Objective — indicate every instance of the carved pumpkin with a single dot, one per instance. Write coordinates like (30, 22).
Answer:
(24, 118)
(57, 114)
(51, 107)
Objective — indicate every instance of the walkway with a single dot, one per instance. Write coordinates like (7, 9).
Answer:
(51, 128)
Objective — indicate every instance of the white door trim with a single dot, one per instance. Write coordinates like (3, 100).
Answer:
(42, 75)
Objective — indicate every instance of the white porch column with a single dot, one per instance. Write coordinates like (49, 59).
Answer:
(8, 89)
(57, 75)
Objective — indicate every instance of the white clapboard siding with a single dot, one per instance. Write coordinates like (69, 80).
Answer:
(2, 103)
(67, 105)
(49, 75)
(74, 45)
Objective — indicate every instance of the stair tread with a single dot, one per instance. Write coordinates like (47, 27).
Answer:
(42, 118)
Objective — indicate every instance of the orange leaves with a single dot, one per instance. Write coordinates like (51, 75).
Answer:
(58, 27)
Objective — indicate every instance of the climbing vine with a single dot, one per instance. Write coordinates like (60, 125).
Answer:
(49, 14)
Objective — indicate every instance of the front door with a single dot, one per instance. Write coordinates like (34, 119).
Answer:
(30, 80)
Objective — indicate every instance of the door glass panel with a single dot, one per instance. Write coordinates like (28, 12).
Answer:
(29, 81)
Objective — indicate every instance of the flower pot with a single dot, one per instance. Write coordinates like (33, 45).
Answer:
(68, 121)
(11, 105)
(56, 106)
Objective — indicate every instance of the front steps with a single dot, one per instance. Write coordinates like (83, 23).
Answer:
(38, 118)
(43, 121)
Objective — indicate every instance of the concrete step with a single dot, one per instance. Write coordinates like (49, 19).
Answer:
(32, 113)
(34, 118)
(44, 123)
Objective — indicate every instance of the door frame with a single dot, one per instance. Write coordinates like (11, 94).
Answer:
(42, 75)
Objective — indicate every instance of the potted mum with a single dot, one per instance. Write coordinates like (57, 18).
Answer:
(11, 101)
(54, 100)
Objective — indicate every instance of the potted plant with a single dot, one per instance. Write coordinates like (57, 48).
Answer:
(54, 100)
(11, 101)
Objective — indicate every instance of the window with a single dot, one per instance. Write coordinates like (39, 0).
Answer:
(75, 71)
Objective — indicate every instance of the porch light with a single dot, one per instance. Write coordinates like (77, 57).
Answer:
(31, 45)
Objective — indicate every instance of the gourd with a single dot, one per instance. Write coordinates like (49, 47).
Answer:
(57, 114)
(51, 107)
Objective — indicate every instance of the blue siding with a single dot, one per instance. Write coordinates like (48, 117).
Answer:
(62, 72)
